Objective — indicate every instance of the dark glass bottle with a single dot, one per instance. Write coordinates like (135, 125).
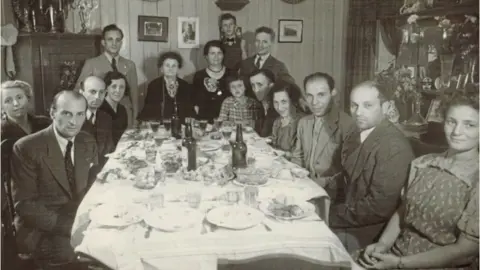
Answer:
(191, 145)
(239, 150)
(176, 123)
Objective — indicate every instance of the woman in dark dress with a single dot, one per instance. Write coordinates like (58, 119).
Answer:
(209, 83)
(117, 88)
(168, 93)
(16, 121)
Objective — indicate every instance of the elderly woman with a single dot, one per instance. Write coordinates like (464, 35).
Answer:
(117, 88)
(436, 226)
(17, 122)
(209, 83)
(285, 100)
(168, 93)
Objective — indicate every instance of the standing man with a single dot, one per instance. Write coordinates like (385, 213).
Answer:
(110, 60)
(99, 123)
(375, 162)
(264, 38)
(49, 179)
(321, 135)
(235, 46)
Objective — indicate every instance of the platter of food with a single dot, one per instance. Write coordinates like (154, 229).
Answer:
(173, 218)
(236, 217)
(213, 173)
(252, 177)
(114, 215)
(135, 164)
(285, 208)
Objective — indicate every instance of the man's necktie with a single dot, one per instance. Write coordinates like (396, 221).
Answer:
(114, 64)
(90, 119)
(69, 168)
(257, 63)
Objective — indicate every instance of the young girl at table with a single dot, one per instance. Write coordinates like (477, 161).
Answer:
(285, 100)
(239, 107)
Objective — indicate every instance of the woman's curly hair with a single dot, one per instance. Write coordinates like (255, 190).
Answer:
(465, 97)
(170, 55)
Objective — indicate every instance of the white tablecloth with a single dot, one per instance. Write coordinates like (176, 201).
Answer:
(203, 247)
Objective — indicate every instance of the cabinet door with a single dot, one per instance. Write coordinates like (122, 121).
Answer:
(61, 62)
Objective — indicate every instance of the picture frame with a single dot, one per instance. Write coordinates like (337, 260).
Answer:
(188, 32)
(152, 28)
(290, 31)
(434, 114)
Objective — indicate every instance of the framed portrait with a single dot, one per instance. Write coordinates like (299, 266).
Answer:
(434, 113)
(290, 31)
(152, 28)
(188, 32)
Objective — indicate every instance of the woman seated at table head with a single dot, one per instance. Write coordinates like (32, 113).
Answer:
(436, 225)
(209, 83)
(117, 88)
(285, 100)
(168, 93)
(17, 122)
(240, 107)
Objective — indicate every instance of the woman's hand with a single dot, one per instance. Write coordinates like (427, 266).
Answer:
(385, 261)
(366, 260)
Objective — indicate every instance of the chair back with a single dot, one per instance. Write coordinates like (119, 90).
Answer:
(6, 153)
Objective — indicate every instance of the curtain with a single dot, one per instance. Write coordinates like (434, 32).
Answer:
(391, 35)
(361, 43)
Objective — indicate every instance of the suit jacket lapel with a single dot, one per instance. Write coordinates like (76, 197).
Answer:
(81, 165)
(269, 63)
(55, 161)
(327, 134)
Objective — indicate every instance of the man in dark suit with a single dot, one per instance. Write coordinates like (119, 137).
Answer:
(375, 162)
(50, 177)
(99, 123)
(264, 38)
(262, 81)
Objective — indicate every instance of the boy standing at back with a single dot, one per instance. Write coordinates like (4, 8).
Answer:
(234, 44)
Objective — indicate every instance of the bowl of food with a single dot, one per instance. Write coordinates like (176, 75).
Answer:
(145, 179)
(252, 177)
(171, 162)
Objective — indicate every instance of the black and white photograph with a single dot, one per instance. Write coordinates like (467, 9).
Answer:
(239, 134)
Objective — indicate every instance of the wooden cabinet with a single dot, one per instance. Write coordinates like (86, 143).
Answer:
(52, 62)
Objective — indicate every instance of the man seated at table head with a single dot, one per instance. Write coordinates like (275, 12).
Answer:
(320, 136)
(375, 162)
(264, 39)
(49, 179)
(99, 124)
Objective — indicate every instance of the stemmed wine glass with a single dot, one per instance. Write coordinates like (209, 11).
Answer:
(168, 124)
(226, 130)
(154, 125)
(203, 125)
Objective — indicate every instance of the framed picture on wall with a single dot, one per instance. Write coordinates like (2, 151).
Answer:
(290, 31)
(152, 28)
(188, 32)
(434, 113)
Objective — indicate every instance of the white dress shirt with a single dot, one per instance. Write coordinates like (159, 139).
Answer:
(263, 58)
(62, 142)
(364, 134)
(89, 113)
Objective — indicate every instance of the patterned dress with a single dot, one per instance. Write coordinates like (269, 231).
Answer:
(441, 203)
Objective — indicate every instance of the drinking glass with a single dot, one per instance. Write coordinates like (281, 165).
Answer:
(226, 130)
(251, 194)
(168, 124)
(194, 198)
(203, 125)
(233, 196)
(151, 154)
(154, 125)
(157, 200)
(159, 174)
(217, 122)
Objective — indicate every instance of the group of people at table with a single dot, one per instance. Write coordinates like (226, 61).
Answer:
(390, 209)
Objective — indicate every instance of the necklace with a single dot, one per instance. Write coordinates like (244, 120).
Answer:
(214, 71)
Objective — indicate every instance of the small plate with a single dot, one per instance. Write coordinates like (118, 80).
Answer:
(209, 146)
(173, 219)
(235, 217)
(248, 185)
(308, 210)
(113, 215)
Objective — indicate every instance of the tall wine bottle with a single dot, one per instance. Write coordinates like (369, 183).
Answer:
(239, 150)
(191, 145)
(176, 123)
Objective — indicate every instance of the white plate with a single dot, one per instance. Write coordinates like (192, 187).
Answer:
(114, 215)
(308, 210)
(248, 185)
(235, 217)
(209, 146)
(173, 219)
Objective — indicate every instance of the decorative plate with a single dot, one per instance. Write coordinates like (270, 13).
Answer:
(117, 215)
(173, 219)
(307, 209)
(235, 217)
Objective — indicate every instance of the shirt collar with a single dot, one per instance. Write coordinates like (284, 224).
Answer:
(263, 57)
(89, 113)
(364, 134)
(62, 142)
(109, 57)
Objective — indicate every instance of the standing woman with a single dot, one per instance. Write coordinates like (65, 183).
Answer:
(17, 122)
(117, 88)
(436, 225)
(285, 100)
(167, 92)
(209, 83)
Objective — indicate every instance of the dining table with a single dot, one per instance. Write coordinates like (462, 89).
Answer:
(139, 214)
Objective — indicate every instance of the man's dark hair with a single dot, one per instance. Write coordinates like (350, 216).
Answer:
(115, 75)
(72, 93)
(320, 76)
(171, 55)
(266, 72)
(383, 94)
(227, 16)
(111, 27)
(266, 30)
(213, 43)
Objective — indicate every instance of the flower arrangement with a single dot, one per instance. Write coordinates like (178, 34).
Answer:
(459, 38)
(399, 83)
